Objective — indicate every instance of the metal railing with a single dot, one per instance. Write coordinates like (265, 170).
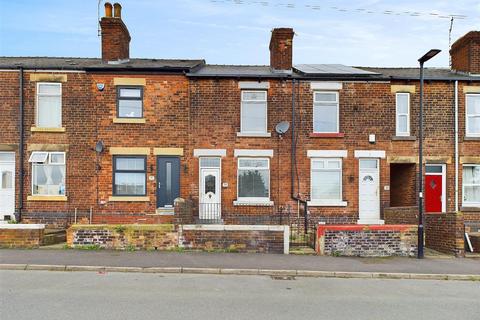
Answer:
(209, 213)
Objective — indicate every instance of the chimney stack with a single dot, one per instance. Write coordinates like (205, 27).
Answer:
(281, 47)
(115, 35)
(465, 53)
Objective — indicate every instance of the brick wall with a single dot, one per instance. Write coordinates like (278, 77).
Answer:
(401, 215)
(21, 236)
(367, 241)
(445, 232)
(123, 237)
(235, 238)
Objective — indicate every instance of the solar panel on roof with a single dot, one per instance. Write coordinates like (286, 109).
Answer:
(331, 69)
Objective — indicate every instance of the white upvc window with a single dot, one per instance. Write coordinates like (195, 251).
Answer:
(325, 112)
(403, 114)
(471, 185)
(253, 112)
(326, 181)
(473, 115)
(49, 105)
(48, 173)
(253, 180)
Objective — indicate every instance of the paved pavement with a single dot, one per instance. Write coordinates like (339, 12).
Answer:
(87, 295)
(238, 261)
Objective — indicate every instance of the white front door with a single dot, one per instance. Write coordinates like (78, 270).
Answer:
(210, 197)
(7, 185)
(369, 192)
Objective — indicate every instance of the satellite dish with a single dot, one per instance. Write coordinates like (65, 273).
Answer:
(282, 127)
(99, 146)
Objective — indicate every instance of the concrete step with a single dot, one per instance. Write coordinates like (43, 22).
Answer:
(54, 236)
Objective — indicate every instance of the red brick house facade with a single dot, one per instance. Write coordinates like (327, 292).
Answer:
(121, 138)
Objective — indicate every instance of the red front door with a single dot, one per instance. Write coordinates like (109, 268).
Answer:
(433, 193)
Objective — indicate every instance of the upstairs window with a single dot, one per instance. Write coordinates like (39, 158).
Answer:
(325, 112)
(253, 179)
(49, 105)
(473, 115)
(129, 102)
(403, 114)
(471, 185)
(253, 112)
(326, 180)
(48, 173)
(130, 176)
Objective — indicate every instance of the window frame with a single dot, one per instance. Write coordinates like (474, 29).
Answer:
(398, 114)
(118, 98)
(265, 111)
(37, 94)
(318, 103)
(47, 162)
(466, 203)
(115, 171)
(253, 199)
(467, 133)
(326, 169)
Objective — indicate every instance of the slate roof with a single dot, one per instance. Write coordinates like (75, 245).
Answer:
(215, 70)
(414, 73)
(65, 63)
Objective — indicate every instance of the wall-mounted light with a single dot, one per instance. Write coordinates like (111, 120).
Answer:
(100, 86)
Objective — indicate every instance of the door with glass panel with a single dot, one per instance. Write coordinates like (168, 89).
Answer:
(7, 185)
(168, 181)
(210, 191)
(369, 192)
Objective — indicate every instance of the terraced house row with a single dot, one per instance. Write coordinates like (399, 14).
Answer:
(122, 138)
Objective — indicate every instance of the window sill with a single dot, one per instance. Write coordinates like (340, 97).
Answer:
(47, 198)
(257, 135)
(53, 130)
(129, 120)
(327, 135)
(404, 138)
(471, 138)
(253, 203)
(470, 208)
(327, 203)
(128, 199)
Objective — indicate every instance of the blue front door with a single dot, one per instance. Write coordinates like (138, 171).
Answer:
(168, 181)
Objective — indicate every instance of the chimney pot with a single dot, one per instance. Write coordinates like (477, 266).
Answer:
(108, 9)
(117, 10)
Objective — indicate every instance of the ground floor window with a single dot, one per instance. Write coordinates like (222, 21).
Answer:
(48, 173)
(130, 176)
(326, 180)
(471, 185)
(253, 179)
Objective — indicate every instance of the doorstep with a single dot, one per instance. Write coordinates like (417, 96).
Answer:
(165, 211)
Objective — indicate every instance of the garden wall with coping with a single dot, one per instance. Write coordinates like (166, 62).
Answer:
(235, 238)
(123, 237)
(367, 240)
(21, 235)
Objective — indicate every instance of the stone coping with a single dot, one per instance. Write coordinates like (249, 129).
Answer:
(158, 227)
(233, 227)
(21, 226)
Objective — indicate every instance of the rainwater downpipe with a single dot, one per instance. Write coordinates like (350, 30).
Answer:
(21, 145)
(294, 162)
(456, 145)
